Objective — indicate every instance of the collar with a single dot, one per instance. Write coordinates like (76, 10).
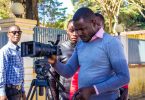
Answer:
(13, 46)
(99, 34)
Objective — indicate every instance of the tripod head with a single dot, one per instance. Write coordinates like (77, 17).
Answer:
(41, 67)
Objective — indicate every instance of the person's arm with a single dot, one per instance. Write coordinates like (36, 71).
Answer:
(3, 64)
(67, 70)
(119, 65)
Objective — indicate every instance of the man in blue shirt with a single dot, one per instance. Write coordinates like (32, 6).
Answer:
(100, 57)
(11, 67)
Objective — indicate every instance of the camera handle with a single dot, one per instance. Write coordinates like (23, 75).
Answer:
(57, 41)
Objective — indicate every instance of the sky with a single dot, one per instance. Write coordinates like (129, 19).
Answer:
(68, 4)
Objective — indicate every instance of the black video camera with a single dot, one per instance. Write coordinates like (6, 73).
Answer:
(37, 49)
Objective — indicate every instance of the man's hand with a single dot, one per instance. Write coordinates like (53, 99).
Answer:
(3, 98)
(84, 93)
(52, 60)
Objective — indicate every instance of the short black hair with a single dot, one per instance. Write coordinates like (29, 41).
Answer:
(85, 13)
(100, 16)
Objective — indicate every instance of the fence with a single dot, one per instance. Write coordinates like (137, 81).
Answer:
(134, 48)
(3, 39)
(44, 35)
(136, 51)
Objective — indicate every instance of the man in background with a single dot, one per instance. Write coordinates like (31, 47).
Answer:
(11, 67)
(67, 48)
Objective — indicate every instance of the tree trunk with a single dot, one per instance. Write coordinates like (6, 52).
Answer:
(32, 10)
(29, 11)
(35, 10)
(110, 25)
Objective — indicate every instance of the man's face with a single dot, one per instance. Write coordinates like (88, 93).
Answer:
(71, 33)
(86, 29)
(14, 34)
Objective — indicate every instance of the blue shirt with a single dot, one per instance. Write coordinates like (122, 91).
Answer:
(11, 67)
(102, 63)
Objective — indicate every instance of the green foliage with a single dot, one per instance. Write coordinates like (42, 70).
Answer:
(92, 4)
(3, 14)
(130, 11)
(130, 17)
(4, 9)
(51, 13)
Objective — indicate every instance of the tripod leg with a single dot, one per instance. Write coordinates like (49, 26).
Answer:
(46, 94)
(29, 92)
(36, 94)
(33, 92)
(51, 94)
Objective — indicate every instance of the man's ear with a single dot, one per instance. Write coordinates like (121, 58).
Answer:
(94, 22)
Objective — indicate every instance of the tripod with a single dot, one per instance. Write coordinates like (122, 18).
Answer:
(42, 83)
(38, 83)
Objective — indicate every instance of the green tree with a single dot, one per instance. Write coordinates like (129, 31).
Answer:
(109, 9)
(139, 5)
(112, 10)
(52, 14)
(4, 9)
(133, 17)
(31, 11)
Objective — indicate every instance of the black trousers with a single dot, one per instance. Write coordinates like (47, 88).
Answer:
(14, 94)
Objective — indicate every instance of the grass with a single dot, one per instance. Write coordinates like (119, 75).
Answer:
(137, 82)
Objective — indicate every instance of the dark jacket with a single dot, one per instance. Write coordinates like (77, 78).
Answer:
(67, 49)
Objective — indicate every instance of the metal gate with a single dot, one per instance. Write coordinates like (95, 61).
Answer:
(44, 35)
(3, 39)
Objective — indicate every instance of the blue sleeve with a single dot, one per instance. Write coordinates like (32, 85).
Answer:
(115, 53)
(3, 64)
(67, 70)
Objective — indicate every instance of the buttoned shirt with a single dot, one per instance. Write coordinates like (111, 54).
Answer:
(11, 67)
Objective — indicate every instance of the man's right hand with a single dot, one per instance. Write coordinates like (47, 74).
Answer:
(3, 98)
(52, 60)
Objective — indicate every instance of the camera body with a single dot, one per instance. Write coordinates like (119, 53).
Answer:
(37, 49)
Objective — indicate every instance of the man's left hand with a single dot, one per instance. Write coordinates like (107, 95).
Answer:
(84, 93)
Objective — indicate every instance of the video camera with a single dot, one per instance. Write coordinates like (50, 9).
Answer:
(37, 49)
